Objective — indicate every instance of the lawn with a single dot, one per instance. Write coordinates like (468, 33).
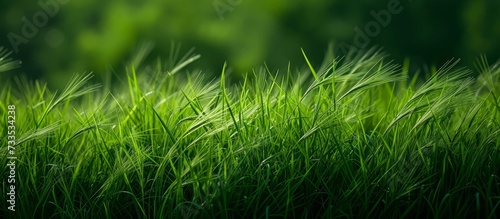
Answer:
(358, 137)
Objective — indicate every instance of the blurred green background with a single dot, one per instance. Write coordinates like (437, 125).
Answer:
(91, 35)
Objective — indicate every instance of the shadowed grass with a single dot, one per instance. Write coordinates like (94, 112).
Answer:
(353, 138)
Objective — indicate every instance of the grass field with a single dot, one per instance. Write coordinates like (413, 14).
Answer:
(355, 137)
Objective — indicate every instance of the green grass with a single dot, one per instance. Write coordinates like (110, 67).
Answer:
(353, 138)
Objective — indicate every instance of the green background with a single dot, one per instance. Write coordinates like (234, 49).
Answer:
(101, 36)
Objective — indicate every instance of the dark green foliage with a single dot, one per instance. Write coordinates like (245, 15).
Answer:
(353, 139)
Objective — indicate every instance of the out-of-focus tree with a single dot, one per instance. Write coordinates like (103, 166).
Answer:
(95, 35)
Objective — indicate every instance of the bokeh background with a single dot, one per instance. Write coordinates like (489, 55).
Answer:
(99, 36)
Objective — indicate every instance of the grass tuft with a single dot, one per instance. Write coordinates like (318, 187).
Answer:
(357, 137)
